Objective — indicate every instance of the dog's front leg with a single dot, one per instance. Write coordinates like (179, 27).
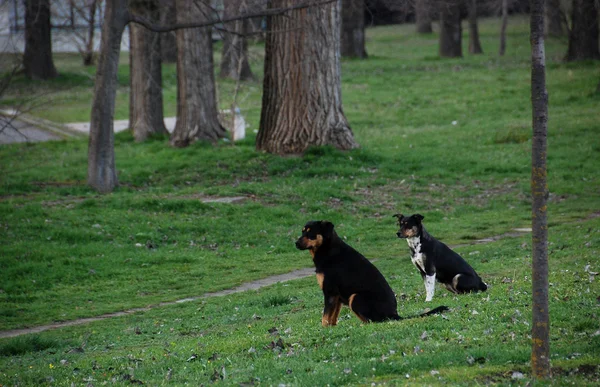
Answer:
(331, 311)
(429, 286)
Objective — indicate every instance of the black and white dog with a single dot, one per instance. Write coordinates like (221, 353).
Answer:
(435, 260)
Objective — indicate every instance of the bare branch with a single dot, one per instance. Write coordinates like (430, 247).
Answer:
(177, 26)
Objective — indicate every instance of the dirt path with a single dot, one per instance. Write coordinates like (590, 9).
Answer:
(296, 274)
(253, 285)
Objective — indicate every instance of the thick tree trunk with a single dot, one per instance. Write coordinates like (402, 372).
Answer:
(353, 29)
(168, 40)
(145, 102)
(450, 29)
(423, 16)
(234, 62)
(555, 25)
(102, 173)
(197, 113)
(37, 58)
(503, 25)
(540, 331)
(474, 44)
(302, 98)
(583, 39)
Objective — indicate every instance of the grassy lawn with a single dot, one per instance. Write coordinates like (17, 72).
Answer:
(449, 139)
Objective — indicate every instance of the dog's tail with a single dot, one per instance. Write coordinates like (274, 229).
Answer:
(438, 310)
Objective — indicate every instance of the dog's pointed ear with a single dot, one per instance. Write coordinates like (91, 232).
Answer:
(419, 217)
(326, 228)
(399, 216)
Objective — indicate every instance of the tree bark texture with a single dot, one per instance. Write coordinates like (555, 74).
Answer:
(583, 39)
(503, 26)
(197, 112)
(555, 20)
(450, 29)
(423, 16)
(146, 101)
(37, 58)
(302, 99)
(474, 43)
(168, 40)
(102, 173)
(234, 61)
(540, 331)
(353, 29)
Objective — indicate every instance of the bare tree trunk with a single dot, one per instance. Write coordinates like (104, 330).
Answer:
(555, 25)
(37, 58)
(353, 29)
(502, 48)
(302, 98)
(88, 54)
(474, 44)
(450, 29)
(540, 331)
(234, 62)
(583, 39)
(146, 102)
(197, 113)
(423, 16)
(102, 173)
(168, 40)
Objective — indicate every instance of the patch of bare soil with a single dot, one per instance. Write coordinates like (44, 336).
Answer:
(386, 198)
(215, 199)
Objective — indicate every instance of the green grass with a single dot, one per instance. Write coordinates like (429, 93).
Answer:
(450, 139)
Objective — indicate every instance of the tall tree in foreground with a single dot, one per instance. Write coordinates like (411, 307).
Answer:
(302, 98)
(353, 29)
(474, 44)
(102, 173)
(423, 16)
(450, 29)
(146, 101)
(234, 62)
(540, 330)
(583, 38)
(197, 114)
(37, 58)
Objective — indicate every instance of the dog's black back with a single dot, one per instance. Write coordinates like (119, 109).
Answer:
(447, 262)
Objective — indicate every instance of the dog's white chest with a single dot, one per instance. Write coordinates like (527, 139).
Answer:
(417, 257)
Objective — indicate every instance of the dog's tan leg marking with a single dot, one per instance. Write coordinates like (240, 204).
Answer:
(336, 312)
(330, 316)
(455, 283)
(450, 288)
(360, 317)
(320, 279)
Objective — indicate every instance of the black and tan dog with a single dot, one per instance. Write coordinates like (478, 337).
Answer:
(347, 277)
(435, 260)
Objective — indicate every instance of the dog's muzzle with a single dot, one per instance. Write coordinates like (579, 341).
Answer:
(400, 235)
(300, 244)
